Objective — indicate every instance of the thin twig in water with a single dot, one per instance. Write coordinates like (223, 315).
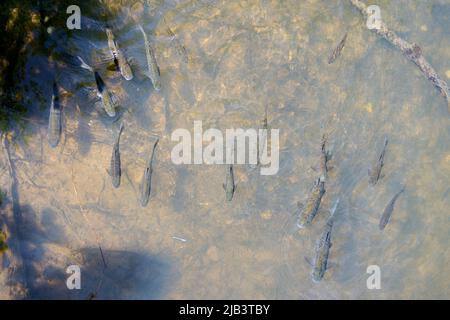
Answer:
(93, 294)
(103, 257)
(30, 181)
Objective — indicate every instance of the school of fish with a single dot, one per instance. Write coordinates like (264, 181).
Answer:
(314, 199)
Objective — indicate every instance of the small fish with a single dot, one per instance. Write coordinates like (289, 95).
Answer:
(181, 50)
(262, 141)
(153, 69)
(146, 184)
(229, 185)
(179, 239)
(115, 170)
(263, 138)
(323, 248)
(325, 156)
(118, 56)
(313, 203)
(387, 213)
(337, 51)
(107, 100)
(104, 95)
(375, 172)
(54, 119)
(84, 65)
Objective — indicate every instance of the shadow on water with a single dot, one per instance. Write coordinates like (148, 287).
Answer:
(127, 275)
(121, 275)
(43, 244)
(45, 50)
(17, 220)
(36, 52)
(49, 228)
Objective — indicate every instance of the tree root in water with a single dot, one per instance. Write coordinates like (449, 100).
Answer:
(17, 275)
(411, 50)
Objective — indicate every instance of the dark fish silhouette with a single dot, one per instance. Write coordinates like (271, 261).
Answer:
(323, 248)
(262, 141)
(325, 156)
(387, 213)
(229, 185)
(54, 119)
(337, 51)
(375, 172)
(115, 170)
(146, 184)
(153, 69)
(262, 138)
(107, 100)
(312, 204)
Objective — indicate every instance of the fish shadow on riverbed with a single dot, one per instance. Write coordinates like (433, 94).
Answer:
(179, 199)
(84, 136)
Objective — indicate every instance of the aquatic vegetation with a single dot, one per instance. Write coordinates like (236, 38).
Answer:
(2, 197)
(17, 19)
(24, 24)
(3, 245)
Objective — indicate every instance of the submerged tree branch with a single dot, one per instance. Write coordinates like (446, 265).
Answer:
(10, 220)
(411, 50)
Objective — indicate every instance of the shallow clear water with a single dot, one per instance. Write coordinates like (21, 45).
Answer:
(238, 58)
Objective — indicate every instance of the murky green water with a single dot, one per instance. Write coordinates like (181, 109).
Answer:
(238, 58)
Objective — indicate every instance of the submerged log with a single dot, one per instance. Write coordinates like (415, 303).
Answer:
(411, 50)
